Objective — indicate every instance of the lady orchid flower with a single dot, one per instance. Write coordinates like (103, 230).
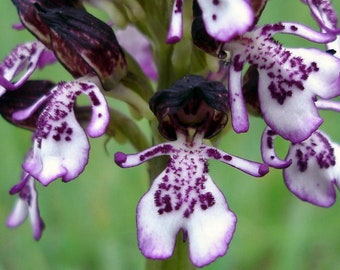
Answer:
(60, 146)
(184, 197)
(311, 168)
(287, 78)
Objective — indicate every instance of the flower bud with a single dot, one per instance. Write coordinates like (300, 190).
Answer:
(31, 20)
(84, 44)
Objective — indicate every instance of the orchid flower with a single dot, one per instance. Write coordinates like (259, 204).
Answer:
(60, 146)
(311, 169)
(287, 78)
(223, 19)
(184, 197)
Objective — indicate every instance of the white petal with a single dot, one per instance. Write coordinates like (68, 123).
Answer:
(61, 154)
(225, 19)
(268, 150)
(295, 119)
(18, 214)
(156, 233)
(288, 87)
(210, 231)
(239, 115)
(313, 172)
(27, 204)
(176, 24)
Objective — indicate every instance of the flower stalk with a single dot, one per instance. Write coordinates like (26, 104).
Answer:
(190, 71)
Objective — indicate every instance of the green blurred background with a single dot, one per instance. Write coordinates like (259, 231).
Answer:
(91, 220)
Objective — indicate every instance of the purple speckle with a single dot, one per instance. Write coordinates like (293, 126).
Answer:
(302, 160)
(317, 147)
(120, 158)
(164, 149)
(179, 4)
(227, 157)
(56, 137)
(264, 169)
(293, 28)
(25, 194)
(270, 139)
(213, 153)
(94, 99)
(214, 17)
(206, 200)
(237, 64)
(272, 28)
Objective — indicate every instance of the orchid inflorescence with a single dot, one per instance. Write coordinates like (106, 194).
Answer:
(190, 83)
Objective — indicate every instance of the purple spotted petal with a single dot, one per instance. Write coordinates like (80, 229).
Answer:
(24, 58)
(239, 114)
(314, 170)
(27, 204)
(199, 209)
(176, 24)
(269, 155)
(250, 167)
(298, 81)
(61, 147)
(324, 14)
(289, 80)
(225, 19)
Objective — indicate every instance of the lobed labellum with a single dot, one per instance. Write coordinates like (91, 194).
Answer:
(184, 197)
(60, 145)
(314, 171)
(286, 78)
